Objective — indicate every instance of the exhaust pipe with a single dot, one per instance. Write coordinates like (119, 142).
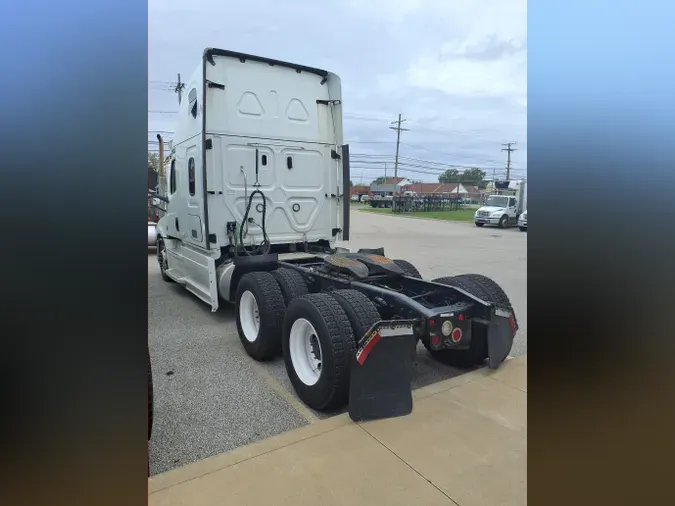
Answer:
(160, 179)
(161, 155)
(346, 192)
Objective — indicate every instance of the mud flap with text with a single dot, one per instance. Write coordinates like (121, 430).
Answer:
(380, 374)
(501, 331)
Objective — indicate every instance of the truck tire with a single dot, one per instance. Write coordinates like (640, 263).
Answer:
(259, 309)
(362, 313)
(291, 282)
(318, 345)
(408, 268)
(478, 224)
(523, 229)
(504, 221)
(151, 398)
(477, 352)
(162, 259)
(494, 292)
(360, 310)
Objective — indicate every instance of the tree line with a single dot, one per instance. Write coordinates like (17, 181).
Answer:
(473, 176)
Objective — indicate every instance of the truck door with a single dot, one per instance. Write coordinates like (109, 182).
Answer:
(193, 225)
(173, 206)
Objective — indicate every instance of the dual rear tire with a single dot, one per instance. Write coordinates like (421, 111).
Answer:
(319, 340)
(260, 304)
(259, 309)
(318, 345)
(486, 289)
(316, 334)
(408, 268)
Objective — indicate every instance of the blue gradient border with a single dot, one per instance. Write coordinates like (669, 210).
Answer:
(73, 116)
(601, 148)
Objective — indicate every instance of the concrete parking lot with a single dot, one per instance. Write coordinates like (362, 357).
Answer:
(210, 397)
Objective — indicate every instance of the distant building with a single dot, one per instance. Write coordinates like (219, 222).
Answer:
(398, 181)
(436, 188)
(359, 189)
(390, 186)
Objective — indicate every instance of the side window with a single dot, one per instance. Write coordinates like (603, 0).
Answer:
(512, 202)
(172, 177)
(192, 102)
(191, 176)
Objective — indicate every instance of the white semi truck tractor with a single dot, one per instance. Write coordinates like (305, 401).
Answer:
(258, 195)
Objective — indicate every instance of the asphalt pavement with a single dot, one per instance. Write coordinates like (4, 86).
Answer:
(210, 397)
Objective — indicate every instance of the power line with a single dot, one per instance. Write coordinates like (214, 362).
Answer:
(422, 125)
(403, 169)
(360, 117)
(426, 161)
(402, 160)
(413, 169)
(444, 153)
(443, 166)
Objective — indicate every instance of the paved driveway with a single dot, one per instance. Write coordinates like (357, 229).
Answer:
(211, 397)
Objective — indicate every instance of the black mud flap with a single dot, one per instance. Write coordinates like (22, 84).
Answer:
(381, 369)
(501, 331)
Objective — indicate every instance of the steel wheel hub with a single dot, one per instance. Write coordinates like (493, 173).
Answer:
(249, 316)
(306, 353)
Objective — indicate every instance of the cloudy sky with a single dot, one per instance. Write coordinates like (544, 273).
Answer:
(456, 69)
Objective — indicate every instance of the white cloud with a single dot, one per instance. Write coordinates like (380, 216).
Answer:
(463, 68)
(456, 68)
(389, 10)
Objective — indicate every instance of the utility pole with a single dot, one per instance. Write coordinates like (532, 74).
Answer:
(508, 150)
(398, 139)
(179, 89)
(160, 169)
